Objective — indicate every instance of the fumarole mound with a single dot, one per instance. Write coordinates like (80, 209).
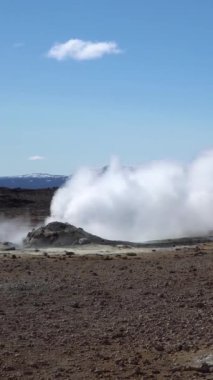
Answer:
(57, 234)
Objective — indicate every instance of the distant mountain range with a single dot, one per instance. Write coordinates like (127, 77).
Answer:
(33, 181)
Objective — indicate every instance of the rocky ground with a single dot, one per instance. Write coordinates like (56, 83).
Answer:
(124, 316)
(103, 312)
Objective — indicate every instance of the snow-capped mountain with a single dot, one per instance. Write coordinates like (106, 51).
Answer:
(33, 181)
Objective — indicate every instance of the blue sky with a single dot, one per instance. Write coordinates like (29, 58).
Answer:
(151, 99)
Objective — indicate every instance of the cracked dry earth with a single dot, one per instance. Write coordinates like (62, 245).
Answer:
(96, 317)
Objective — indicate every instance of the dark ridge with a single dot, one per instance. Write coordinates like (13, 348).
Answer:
(33, 181)
(28, 203)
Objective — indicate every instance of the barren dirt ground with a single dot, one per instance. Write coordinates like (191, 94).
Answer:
(148, 316)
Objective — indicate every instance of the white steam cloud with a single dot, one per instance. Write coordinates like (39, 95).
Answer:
(13, 230)
(158, 200)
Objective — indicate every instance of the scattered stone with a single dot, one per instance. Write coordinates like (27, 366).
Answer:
(69, 253)
(76, 305)
(200, 305)
(108, 258)
(205, 368)
(159, 347)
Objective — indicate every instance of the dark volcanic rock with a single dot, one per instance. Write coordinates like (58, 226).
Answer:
(57, 234)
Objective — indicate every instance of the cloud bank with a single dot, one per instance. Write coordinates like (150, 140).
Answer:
(82, 50)
(153, 201)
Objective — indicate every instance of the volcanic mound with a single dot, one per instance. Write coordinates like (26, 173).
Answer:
(57, 234)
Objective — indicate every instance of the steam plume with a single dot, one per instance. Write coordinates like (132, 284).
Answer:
(13, 230)
(153, 201)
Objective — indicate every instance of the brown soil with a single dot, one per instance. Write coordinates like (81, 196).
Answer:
(101, 317)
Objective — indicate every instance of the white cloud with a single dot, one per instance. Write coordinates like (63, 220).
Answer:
(82, 50)
(36, 158)
(18, 45)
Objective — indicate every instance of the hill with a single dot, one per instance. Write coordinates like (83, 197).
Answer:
(33, 181)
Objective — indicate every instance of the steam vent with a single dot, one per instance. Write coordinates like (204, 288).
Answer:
(57, 234)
